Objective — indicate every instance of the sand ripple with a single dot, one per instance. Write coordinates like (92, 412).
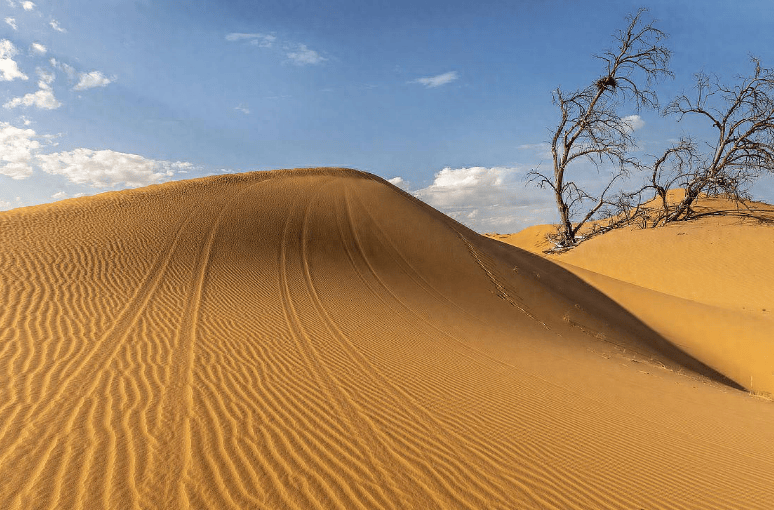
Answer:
(319, 339)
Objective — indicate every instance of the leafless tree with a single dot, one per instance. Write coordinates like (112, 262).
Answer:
(591, 127)
(744, 118)
(673, 169)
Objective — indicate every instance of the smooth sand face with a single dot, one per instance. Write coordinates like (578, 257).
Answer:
(320, 339)
(707, 285)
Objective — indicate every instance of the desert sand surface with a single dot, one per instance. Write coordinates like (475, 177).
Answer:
(320, 339)
(706, 284)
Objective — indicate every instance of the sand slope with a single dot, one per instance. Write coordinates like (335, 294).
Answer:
(320, 339)
(706, 285)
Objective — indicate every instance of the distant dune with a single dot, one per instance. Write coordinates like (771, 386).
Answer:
(320, 339)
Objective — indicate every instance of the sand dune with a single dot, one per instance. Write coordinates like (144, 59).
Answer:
(706, 285)
(320, 339)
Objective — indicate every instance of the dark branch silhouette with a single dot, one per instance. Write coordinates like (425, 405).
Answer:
(591, 127)
(743, 116)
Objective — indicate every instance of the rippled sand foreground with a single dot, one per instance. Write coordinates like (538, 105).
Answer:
(320, 339)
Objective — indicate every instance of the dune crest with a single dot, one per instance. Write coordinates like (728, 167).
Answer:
(318, 338)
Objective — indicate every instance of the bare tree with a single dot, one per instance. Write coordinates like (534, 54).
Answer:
(673, 169)
(591, 127)
(744, 118)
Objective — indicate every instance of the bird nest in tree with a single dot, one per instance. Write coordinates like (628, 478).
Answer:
(607, 82)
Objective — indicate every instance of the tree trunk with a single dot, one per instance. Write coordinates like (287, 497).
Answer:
(568, 236)
(684, 205)
(662, 193)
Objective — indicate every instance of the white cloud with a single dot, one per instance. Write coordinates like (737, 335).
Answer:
(61, 195)
(9, 70)
(43, 98)
(243, 108)
(542, 150)
(12, 23)
(302, 56)
(28, 6)
(107, 168)
(91, 80)
(6, 205)
(260, 40)
(634, 122)
(19, 154)
(38, 48)
(456, 187)
(17, 148)
(399, 182)
(45, 77)
(298, 54)
(68, 69)
(487, 199)
(437, 81)
(55, 25)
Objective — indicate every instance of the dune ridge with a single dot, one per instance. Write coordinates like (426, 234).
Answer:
(318, 338)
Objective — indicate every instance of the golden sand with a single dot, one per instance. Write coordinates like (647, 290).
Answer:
(707, 285)
(321, 339)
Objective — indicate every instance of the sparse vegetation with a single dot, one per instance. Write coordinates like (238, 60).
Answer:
(591, 128)
(743, 115)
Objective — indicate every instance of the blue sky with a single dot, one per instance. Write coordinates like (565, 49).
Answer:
(452, 97)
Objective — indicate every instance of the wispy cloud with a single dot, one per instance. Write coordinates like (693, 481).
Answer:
(534, 146)
(43, 98)
(300, 55)
(38, 48)
(437, 81)
(243, 108)
(296, 53)
(45, 77)
(542, 149)
(260, 40)
(28, 6)
(9, 69)
(61, 195)
(12, 23)
(7, 204)
(55, 25)
(92, 80)
(68, 69)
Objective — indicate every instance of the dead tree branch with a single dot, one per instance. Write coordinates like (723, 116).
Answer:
(743, 116)
(591, 127)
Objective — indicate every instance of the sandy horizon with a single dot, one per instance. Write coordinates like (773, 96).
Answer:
(318, 338)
